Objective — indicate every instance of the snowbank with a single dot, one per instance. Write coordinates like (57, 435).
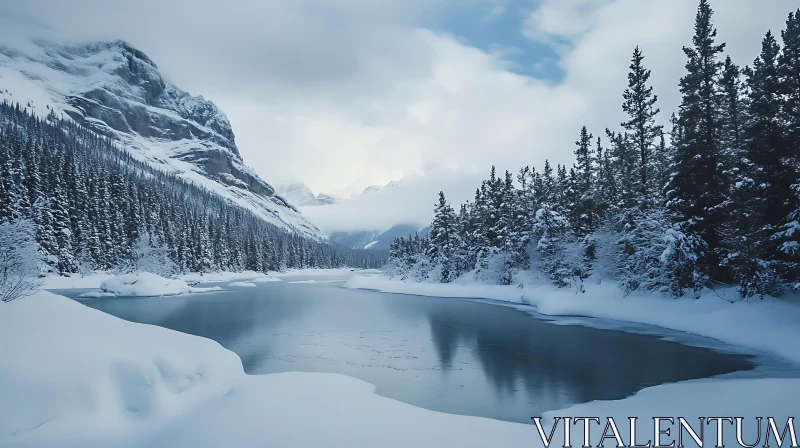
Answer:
(747, 398)
(144, 284)
(337, 411)
(265, 280)
(769, 325)
(70, 374)
(316, 271)
(243, 284)
(260, 277)
(221, 277)
(91, 280)
(328, 410)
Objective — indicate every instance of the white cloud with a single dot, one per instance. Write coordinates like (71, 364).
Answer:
(411, 201)
(558, 21)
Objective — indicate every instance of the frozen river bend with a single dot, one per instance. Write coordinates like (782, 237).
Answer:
(450, 355)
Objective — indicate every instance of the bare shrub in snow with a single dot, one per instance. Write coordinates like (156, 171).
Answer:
(148, 255)
(19, 259)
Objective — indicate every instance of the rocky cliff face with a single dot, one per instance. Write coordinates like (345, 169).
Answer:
(116, 90)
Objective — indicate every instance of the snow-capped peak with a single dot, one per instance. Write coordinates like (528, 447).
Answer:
(300, 195)
(118, 91)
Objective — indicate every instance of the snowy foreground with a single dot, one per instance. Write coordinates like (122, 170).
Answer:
(71, 376)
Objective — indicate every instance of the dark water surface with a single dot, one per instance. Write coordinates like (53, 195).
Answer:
(449, 355)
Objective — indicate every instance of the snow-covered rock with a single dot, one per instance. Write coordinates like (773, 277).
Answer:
(116, 90)
(300, 195)
(242, 284)
(371, 189)
(297, 193)
(144, 284)
(97, 295)
(326, 199)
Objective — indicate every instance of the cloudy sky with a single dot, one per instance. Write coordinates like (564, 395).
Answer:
(342, 94)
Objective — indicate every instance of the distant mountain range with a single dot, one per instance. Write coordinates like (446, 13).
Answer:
(376, 239)
(300, 195)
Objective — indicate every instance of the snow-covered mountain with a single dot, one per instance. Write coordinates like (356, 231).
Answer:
(116, 90)
(300, 195)
(359, 210)
(377, 239)
(375, 188)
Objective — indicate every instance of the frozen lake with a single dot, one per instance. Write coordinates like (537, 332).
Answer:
(451, 355)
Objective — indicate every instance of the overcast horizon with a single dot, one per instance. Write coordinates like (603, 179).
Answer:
(343, 95)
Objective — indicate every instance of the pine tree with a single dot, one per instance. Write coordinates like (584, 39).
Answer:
(788, 236)
(639, 102)
(789, 67)
(607, 191)
(625, 160)
(661, 166)
(444, 240)
(696, 190)
(731, 111)
(584, 220)
(766, 152)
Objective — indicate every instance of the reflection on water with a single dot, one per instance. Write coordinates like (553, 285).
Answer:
(444, 354)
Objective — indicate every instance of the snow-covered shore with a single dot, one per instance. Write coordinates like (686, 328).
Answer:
(259, 277)
(72, 376)
(95, 279)
(769, 325)
(75, 376)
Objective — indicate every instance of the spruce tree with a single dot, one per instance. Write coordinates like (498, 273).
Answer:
(625, 160)
(696, 190)
(765, 134)
(443, 244)
(639, 102)
(766, 150)
(788, 237)
(661, 166)
(789, 68)
(731, 112)
(607, 191)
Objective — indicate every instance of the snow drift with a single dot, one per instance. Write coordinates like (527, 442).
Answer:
(73, 372)
(144, 284)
